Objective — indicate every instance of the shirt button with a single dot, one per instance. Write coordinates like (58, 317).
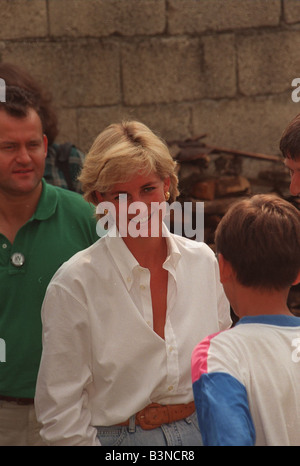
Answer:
(129, 279)
(17, 259)
(4, 245)
(142, 287)
(170, 388)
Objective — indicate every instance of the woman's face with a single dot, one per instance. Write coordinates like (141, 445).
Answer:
(135, 204)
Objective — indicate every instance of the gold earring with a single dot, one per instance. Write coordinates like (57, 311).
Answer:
(167, 196)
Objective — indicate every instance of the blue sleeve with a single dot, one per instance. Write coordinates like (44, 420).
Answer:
(223, 411)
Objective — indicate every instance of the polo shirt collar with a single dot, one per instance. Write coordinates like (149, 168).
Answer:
(47, 203)
(281, 320)
(127, 263)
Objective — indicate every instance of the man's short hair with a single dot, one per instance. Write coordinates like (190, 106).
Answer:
(260, 237)
(15, 75)
(19, 101)
(290, 140)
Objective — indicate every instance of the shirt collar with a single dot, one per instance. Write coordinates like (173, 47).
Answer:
(47, 203)
(274, 319)
(123, 258)
(127, 263)
(174, 254)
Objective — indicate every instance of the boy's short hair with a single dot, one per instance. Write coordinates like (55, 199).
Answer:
(290, 140)
(260, 237)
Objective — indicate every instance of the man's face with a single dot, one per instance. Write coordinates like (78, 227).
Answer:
(23, 149)
(294, 168)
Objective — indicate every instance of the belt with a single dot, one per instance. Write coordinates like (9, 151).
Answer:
(19, 401)
(154, 415)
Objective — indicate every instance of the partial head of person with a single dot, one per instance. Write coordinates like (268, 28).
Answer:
(260, 238)
(290, 148)
(23, 145)
(16, 76)
(129, 159)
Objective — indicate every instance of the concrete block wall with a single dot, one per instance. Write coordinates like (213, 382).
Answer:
(184, 67)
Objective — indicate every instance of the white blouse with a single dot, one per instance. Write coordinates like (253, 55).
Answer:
(102, 362)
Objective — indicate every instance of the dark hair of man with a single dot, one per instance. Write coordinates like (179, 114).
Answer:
(290, 140)
(19, 101)
(260, 237)
(18, 77)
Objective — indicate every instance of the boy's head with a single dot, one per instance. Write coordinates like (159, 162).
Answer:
(290, 149)
(260, 238)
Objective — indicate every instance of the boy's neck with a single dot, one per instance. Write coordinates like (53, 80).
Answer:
(254, 302)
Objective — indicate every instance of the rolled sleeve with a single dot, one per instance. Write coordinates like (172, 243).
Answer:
(61, 398)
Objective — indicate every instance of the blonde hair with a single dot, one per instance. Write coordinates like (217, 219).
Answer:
(119, 152)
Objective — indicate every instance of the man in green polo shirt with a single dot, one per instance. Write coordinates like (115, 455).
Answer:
(41, 226)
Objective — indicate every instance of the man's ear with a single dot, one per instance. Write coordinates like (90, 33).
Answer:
(226, 270)
(297, 279)
(45, 141)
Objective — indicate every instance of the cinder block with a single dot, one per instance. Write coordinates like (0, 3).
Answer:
(171, 122)
(268, 62)
(91, 121)
(198, 16)
(248, 123)
(291, 11)
(162, 70)
(81, 73)
(219, 65)
(98, 18)
(21, 19)
(67, 124)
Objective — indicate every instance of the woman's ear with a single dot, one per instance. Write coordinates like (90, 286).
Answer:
(167, 183)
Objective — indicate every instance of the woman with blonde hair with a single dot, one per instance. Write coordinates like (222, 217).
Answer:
(122, 317)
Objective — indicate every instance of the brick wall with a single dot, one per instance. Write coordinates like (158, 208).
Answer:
(184, 67)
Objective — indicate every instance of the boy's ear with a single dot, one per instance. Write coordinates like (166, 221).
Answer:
(226, 270)
(297, 280)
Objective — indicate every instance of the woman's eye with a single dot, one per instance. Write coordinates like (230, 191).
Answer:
(121, 197)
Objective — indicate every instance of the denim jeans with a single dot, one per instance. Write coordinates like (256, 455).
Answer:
(185, 433)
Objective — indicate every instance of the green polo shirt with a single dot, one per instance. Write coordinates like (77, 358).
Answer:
(63, 224)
